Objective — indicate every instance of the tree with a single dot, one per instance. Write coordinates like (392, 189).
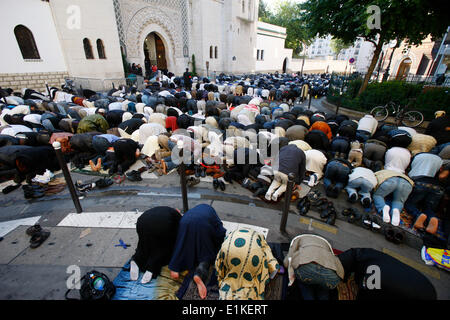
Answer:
(377, 21)
(263, 12)
(337, 45)
(288, 15)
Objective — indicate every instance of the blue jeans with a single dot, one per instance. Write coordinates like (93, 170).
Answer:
(439, 148)
(363, 136)
(316, 281)
(398, 187)
(337, 173)
(364, 186)
(429, 194)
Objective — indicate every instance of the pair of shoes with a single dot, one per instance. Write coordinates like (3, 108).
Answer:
(314, 197)
(192, 181)
(103, 183)
(38, 235)
(370, 223)
(219, 183)
(303, 206)
(351, 214)
(83, 187)
(218, 175)
(246, 183)
(33, 191)
(134, 176)
(395, 236)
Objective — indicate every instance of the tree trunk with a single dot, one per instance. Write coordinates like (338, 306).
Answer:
(375, 57)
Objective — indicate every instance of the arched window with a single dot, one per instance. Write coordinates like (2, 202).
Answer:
(101, 49)
(211, 52)
(216, 53)
(88, 49)
(26, 42)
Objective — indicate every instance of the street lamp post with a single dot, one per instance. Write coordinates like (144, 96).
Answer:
(394, 46)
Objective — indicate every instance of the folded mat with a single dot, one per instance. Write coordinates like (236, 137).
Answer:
(162, 287)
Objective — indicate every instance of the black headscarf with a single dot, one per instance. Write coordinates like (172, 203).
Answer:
(200, 236)
(157, 230)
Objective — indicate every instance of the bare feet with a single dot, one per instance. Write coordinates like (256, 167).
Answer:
(200, 286)
(174, 275)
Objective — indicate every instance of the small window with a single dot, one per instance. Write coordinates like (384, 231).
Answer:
(216, 52)
(243, 6)
(26, 42)
(101, 49)
(262, 54)
(257, 55)
(211, 52)
(88, 49)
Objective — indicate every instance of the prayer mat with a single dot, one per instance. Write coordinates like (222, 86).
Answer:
(163, 287)
(273, 291)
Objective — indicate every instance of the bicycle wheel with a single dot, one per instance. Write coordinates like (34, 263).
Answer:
(380, 113)
(412, 119)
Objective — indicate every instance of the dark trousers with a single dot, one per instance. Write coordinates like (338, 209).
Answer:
(425, 196)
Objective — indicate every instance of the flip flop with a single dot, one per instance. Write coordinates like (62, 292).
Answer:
(38, 238)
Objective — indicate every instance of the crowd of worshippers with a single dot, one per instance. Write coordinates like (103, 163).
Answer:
(241, 264)
(253, 131)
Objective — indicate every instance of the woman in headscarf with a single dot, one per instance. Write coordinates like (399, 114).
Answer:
(245, 264)
(200, 235)
(157, 231)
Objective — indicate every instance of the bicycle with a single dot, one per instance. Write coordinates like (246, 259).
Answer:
(410, 119)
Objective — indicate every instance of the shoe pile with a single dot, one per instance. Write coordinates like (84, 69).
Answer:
(303, 206)
(192, 181)
(86, 187)
(134, 175)
(31, 191)
(219, 183)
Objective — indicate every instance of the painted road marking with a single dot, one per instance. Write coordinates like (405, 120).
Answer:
(158, 194)
(127, 220)
(420, 267)
(8, 226)
(322, 226)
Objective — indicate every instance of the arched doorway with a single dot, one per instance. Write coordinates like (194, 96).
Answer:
(403, 69)
(154, 52)
(285, 64)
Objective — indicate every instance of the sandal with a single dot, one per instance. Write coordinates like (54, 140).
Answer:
(38, 238)
(33, 229)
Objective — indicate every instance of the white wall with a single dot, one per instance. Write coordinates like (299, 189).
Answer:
(97, 22)
(318, 65)
(36, 16)
(270, 38)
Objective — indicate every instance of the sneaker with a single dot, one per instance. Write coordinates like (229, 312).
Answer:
(215, 184)
(83, 187)
(134, 176)
(246, 184)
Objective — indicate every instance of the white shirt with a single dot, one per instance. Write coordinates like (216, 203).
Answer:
(33, 118)
(397, 159)
(368, 123)
(315, 162)
(14, 129)
(365, 173)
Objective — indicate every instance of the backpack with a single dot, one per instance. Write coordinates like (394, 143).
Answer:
(95, 286)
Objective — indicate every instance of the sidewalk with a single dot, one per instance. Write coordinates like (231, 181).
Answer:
(42, 273)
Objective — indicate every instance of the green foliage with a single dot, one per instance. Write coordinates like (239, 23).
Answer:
(287, 15)
(427, 99)
(400, 20)
(337, 45)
